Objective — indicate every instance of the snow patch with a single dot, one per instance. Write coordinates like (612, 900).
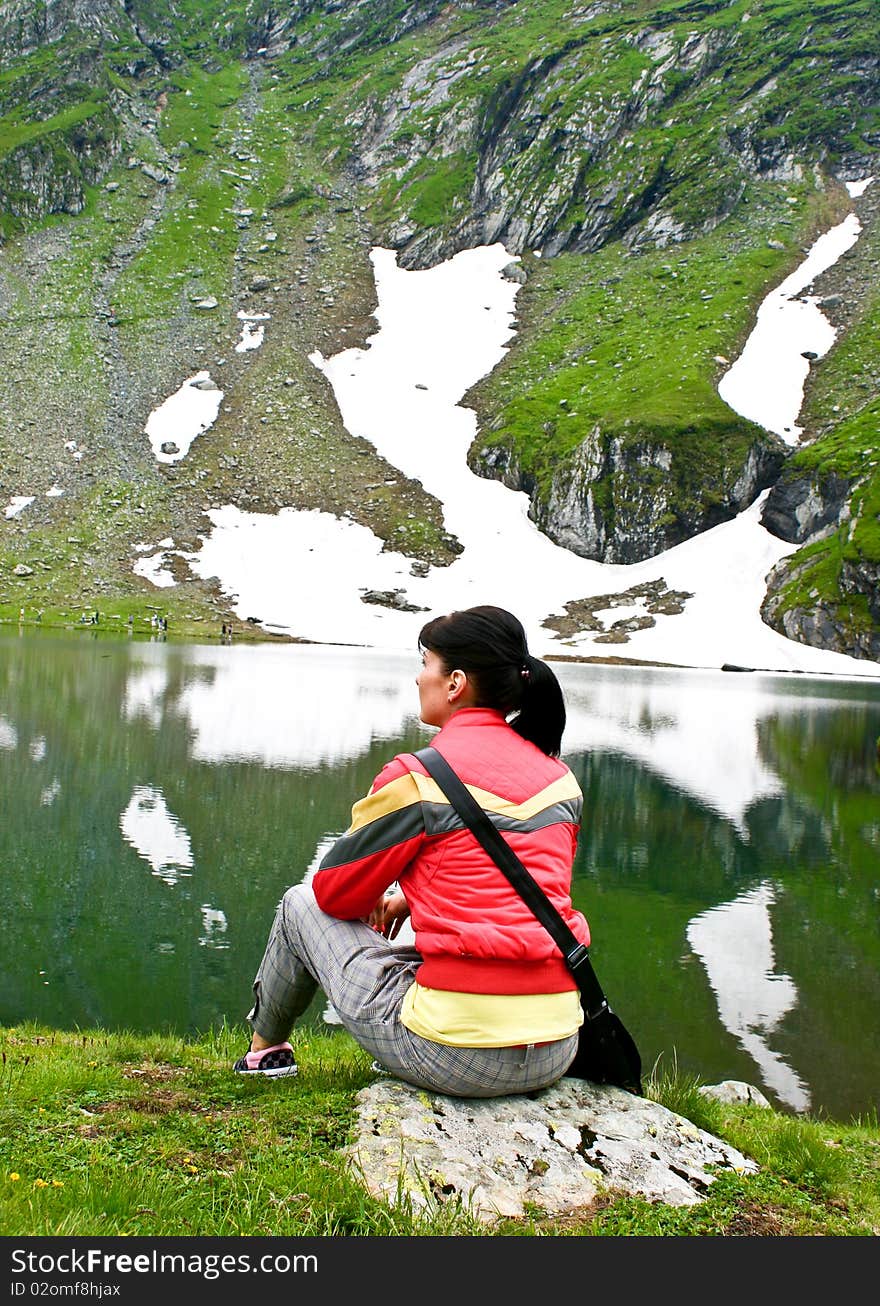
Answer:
(183, 416)
(153, 570)
(18, 503)
(858, 188)
(766, 383)
(252, 331)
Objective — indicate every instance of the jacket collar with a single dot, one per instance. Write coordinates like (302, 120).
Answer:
(473, 716)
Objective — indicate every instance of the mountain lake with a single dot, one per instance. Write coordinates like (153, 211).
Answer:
(156, 799)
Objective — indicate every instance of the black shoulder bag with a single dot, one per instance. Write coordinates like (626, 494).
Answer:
(606, 1051)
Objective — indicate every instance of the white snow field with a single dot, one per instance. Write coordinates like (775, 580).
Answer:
(439, 331)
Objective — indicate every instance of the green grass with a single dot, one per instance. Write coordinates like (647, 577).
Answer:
(151, 1135)
(14, 134)
(197, 227)
(78, 569)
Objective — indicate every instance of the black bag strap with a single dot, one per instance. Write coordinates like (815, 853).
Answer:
(575, 953)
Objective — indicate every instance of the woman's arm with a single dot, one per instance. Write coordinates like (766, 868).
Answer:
(387, 830)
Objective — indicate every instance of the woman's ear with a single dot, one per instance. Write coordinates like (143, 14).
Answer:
(458, 686)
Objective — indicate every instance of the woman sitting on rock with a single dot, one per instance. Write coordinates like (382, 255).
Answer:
(484, 1004)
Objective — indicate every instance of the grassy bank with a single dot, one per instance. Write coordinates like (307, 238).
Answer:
(151, 1135)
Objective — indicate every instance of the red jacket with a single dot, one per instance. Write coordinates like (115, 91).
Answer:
(473, 930)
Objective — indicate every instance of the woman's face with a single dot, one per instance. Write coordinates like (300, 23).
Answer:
(435, 684)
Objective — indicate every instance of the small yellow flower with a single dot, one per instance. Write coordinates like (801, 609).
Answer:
(193, 1169)
(40, 1183)
(41, 1110)
(91, 1064)
(14, 1176)
(57, 1183)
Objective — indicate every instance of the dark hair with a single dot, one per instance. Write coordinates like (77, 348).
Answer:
(489, 645)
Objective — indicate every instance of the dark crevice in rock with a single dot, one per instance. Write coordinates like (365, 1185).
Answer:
(596, 1159)
(697, 1184)
(589, 1139)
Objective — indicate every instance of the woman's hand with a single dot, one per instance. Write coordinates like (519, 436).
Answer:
(389, 914)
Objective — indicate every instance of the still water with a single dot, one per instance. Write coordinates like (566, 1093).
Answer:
(156, 800)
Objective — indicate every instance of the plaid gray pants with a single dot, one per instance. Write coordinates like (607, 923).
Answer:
(365, 978)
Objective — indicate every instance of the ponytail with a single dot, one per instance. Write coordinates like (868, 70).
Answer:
(489, 645)
(541, 715)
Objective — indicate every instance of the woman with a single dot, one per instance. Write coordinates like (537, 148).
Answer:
(484, 1004)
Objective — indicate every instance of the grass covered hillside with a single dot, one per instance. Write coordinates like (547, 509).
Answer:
(166, 165)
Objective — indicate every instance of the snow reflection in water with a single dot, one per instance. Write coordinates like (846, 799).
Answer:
(280, 706)
(735, 944)
(156, 835)
(144, 690)
(310, 706)
(214, 926)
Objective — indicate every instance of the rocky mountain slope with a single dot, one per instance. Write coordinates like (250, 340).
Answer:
(166, 165)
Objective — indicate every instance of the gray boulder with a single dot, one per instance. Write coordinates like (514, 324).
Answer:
(557, 1150)
(514, 271)
(735, 1092)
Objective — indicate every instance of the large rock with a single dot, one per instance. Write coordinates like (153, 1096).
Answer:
(735, 1092)
(621, 501)
(827, 621)
(556, 1150)
(800, 507)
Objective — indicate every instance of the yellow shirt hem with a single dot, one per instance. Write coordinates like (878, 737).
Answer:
(490, 1020)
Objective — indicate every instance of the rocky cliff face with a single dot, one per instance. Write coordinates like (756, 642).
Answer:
(26, 27)
(828, 623)
(812, 510)
(801, 508)
(74, 123)
(622, 502)
(49, 174)
(559, 153)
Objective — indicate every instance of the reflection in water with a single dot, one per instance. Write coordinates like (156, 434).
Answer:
(699, 733)
(269, 716)
(144, 689)
(279, 706)
(735, 944)
(156, 835)
(214, 925)
(287, 707)
(698, 784)
(50, 793)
